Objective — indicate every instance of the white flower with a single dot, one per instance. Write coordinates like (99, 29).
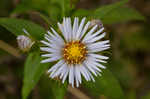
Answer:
(75, 51)
(24, 42)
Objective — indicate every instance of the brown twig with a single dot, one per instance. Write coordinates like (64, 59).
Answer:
(76, 92)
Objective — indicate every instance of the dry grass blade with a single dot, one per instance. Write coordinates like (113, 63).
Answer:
(9, 49)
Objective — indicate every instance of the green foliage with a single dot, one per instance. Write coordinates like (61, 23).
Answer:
(32, 72)
(35, 4)
(112, 13)
(16, 26)
(106, 10)
(82, 13)
(21, 8)
(55, 9)
(54, 12)
(64, 5)
(122, 14)
(52, 89)
(106, 85)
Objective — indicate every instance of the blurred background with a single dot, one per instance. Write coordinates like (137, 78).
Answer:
(129, 63)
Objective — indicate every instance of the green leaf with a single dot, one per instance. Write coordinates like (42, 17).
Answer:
(35, 4)
(106, 85)
(122, 14)
(65, 6)
(112, 13)
(16, 26)
(52, 89)
(116, 13)
(101, 12)
(106, 10)
(21, 8)
(82, 13)
(54, 12)
(32, 72)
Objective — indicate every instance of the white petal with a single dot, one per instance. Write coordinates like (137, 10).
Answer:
(97, 49)
(65, 75)
(85, 29)
(88, 38)
(65, 24)
(75, 27)
(99, 31)
(46, 43)
(92, 77)
(100, 43)
(84, 73)
(54, 40)
(69, 29)
(50, 59)
(90, 68)
(98, 56)
(93, 39)
(89, 33)
(57, 65)
(62, 30)
(25, 31)
(99, 65)
(63, 71)
(98, 38)
(47, 55)
(58, 71)
(58, 37)
(80, 28)
(51, 50)
(78, 73)
(52, 45)
(99, 46)
(77, 76)
(50, 35)
(71, 75)
(99, 60)
(92, 65)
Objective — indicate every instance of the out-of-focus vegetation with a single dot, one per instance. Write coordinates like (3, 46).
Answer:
(127, 25)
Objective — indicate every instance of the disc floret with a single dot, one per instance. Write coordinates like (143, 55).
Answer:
(74, 52)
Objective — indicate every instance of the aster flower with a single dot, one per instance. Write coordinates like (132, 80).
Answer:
(24, 42)
(75, 51)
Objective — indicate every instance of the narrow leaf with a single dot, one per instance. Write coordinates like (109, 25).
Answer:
(32, 72)
(106, 10)
(100, 12)
(121, 15)
(106, 85)
(112, 13)
(16, 26)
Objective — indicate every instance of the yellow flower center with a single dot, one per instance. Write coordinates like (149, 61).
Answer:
(74, 52)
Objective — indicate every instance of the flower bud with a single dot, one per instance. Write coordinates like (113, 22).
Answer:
(24, 42)
(96, 22)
